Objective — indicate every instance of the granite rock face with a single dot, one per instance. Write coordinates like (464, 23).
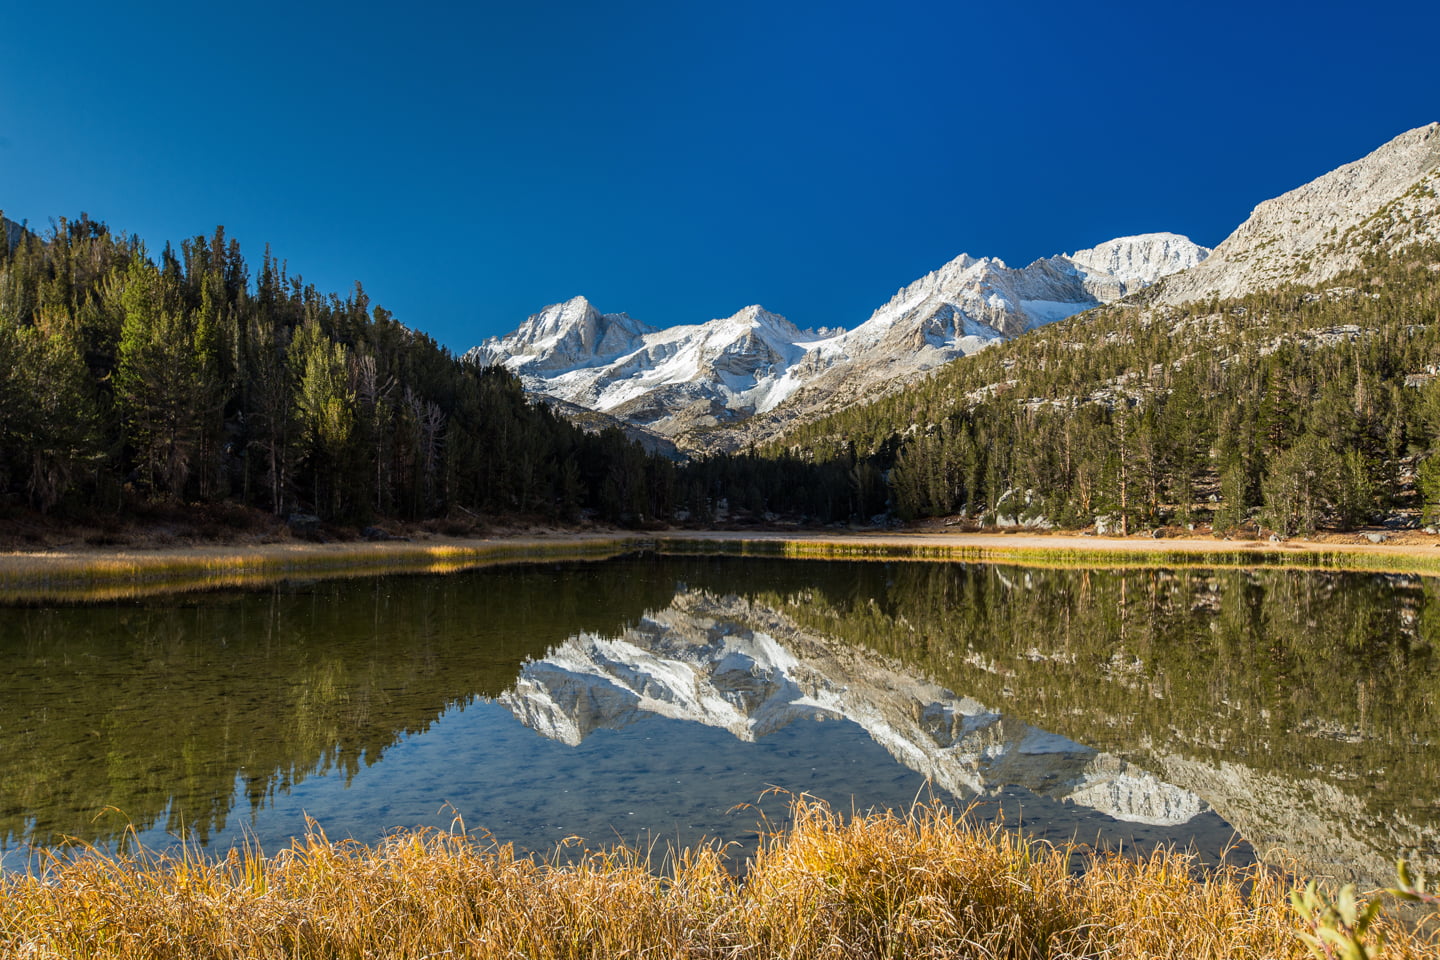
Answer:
(1381, 203)
(11, 231)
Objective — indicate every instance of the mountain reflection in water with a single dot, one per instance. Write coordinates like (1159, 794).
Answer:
(740, 666)
(1301, 708)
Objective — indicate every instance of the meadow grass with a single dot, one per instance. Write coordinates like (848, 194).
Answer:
(92, 576)
(1062, 554)
(927, 884)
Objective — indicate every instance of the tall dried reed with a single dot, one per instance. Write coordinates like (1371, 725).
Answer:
(92, 576)
(927, 884)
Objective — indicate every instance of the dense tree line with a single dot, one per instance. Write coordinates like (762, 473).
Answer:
(183, 378)
(126, 378)
(1295, 408)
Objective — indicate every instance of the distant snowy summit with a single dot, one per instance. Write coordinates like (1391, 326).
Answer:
(614, 364)
(675, 379)
(969, 303)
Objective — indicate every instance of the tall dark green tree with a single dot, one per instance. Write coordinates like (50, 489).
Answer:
(164, 379)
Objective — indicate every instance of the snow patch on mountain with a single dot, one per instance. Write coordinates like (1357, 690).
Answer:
(1142, 260)
(562, 337)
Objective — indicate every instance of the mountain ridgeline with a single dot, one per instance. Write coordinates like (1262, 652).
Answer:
(684, 381)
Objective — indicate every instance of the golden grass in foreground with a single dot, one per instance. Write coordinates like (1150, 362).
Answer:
(926, 885)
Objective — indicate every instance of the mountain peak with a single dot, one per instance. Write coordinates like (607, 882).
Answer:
(700, 375)
(561, 336)
(1386, 200)
(757, 316)
(1141, 259)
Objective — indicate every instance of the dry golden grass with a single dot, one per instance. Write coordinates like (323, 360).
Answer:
(1065, 551)
(924, 885)
(93, 575)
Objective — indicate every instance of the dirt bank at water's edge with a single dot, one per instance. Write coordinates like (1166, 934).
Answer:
(81, 565)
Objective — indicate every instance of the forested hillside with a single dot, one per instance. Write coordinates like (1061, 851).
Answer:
(124, 379)
(1298, 407)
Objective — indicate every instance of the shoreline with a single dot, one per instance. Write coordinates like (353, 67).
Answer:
(108, 572)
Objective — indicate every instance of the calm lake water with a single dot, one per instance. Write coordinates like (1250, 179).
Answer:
(1286, 715)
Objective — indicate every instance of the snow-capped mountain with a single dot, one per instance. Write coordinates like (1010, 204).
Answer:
(616, 365)
(970, 303)
(564, 336)
(678, 378)
(1380, 203)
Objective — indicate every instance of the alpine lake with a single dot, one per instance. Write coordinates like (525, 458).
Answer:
(1287, 716)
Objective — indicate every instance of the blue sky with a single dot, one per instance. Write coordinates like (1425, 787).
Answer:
(470, 163)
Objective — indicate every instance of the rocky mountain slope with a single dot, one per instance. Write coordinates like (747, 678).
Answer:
(1380, 203)
(616, 365)
(682, 378)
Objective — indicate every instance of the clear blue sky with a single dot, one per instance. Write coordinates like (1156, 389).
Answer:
(472, 162)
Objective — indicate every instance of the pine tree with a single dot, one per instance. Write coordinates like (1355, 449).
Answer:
(161, 380)
(325, 415)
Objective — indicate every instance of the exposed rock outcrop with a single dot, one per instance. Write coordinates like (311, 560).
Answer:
(11, 231)
(1380, 203)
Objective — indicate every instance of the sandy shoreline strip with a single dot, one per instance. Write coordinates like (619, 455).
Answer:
(101, 571)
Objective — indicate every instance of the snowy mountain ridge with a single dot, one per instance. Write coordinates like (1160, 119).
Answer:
(674, 379)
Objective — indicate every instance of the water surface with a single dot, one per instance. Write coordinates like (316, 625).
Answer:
(646, 698)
